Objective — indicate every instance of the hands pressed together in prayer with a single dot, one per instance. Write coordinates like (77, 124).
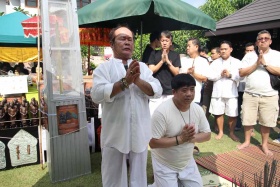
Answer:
(133, 72)
(226, 74)
(261, 60)
(165, 59)
(191, 70)
(188, 133)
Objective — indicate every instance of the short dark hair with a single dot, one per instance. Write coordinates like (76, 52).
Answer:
(154, 36)
(113, 30)
(226, 42)
(166, 34)
(204, 49)
(249, 44)
(217, 49)
(182, 80)
(195, 41)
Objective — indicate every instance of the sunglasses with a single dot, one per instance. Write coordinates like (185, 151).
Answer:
(265, 39)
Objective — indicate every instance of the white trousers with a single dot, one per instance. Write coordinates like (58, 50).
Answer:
(166, 177)
(114, 168)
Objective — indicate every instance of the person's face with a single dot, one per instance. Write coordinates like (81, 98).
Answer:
(249, 49)
(5, 68)
(202, 53)
(264, 40)
(225, 51)
(214, 54)
(165, 43)
(191, 48)
(123, 45)
(184, 95)
(158, 44)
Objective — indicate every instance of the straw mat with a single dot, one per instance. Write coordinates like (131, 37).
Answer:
(241, 164)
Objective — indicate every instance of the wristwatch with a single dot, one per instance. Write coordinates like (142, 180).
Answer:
(265, 65)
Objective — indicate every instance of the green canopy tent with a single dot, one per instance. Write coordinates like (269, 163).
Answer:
(145, 16)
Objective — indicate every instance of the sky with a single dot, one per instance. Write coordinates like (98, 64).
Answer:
(195, 3)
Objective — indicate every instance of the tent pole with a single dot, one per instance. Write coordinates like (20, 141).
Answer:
(141, 42)
(88, 59)
(38, 87)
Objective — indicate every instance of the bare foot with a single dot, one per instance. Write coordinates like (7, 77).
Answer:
(242, 146)
(266, 151)
(234, 138)
(219, 136)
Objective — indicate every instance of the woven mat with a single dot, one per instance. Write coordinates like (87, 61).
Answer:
(241, 164)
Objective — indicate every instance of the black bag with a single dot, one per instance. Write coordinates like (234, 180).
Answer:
(274, 81)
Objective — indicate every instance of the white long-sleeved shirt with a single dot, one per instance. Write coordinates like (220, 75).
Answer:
(126, 121)
(224, 87)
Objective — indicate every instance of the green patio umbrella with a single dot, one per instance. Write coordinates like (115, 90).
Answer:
(145, 16)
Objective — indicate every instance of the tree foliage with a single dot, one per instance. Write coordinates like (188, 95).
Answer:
(238, 4)
(180, 38)
(219, 9)
(137, 45)
(19, 9)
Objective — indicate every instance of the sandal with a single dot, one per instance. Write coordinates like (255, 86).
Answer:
(196, 151)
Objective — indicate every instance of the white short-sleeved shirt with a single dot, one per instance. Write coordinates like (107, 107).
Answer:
(168, 122)
(258, 82)
(201, 66)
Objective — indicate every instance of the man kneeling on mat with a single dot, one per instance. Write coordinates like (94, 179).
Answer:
(177, 124)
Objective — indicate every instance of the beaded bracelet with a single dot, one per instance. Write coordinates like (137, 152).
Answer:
(125, 82)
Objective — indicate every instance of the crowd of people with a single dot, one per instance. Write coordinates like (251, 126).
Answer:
(165, 102)
(19, 68)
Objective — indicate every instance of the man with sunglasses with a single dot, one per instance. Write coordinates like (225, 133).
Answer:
(259, 98)
(123, 86)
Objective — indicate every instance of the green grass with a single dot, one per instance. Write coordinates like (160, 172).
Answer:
(34, 176)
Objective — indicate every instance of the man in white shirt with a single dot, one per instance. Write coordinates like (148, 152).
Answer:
(195, 65)
(177, 124)
(249, 47)
(123, 86)
(225, 75)
(259, 98)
